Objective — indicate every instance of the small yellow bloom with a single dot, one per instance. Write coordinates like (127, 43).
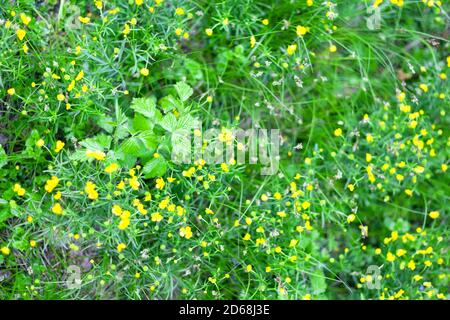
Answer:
(390, 257)
(60, 97)
(338, 132)
(423, 87)
(434, 214)
(224, 167)
(291, 49)
(57, 209)
(25, 48)
(59, 146)
(134, 183)
(350, 218)
(160, 183)
(123, 224)
(252, 41)
(121, 247)
(186, 232)
(84, 19)
(419, 169)
(209, 32)
(79, 76)
(145, 72)
(156, 217)
(179, 11)
(91, 191)
(411, 265)
(98, 155)
(112, 167)
(51, 184)
(301, 31)
(20, 33)
(25, 19)
(377, 3)
(19, 190)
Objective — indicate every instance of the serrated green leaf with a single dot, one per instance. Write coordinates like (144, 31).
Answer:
(5, 214)
(169, 122)
(156, 167)
(318, 282)
(194, 68)
(106, 123)
(30, 144)
(169, 103)
(98, 143)
(132, 146)
(185, 122)
(150, 141)
(3, 157)
(139, 145)
(184, 90)
(144, 106)
(141, 123)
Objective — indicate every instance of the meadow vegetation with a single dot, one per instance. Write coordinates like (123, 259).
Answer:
(93, 207)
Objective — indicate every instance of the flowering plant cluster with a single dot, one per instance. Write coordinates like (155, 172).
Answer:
(96, 98)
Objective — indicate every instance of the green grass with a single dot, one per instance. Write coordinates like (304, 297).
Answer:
(373, 193)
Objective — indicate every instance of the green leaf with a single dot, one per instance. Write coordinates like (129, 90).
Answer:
(194, 68)
(184, 90)
(3, 157)
(318, 282)
(122, 127)
(141, 123)
(169, 103)
(106, 123)
(150, 141)
(139, 145)
(186, 122)
(5, 214)
(132, 146)
(30, 144)
(156, 167)
(98, 143)
(144, 106)
(78, 155)
(169, 122)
